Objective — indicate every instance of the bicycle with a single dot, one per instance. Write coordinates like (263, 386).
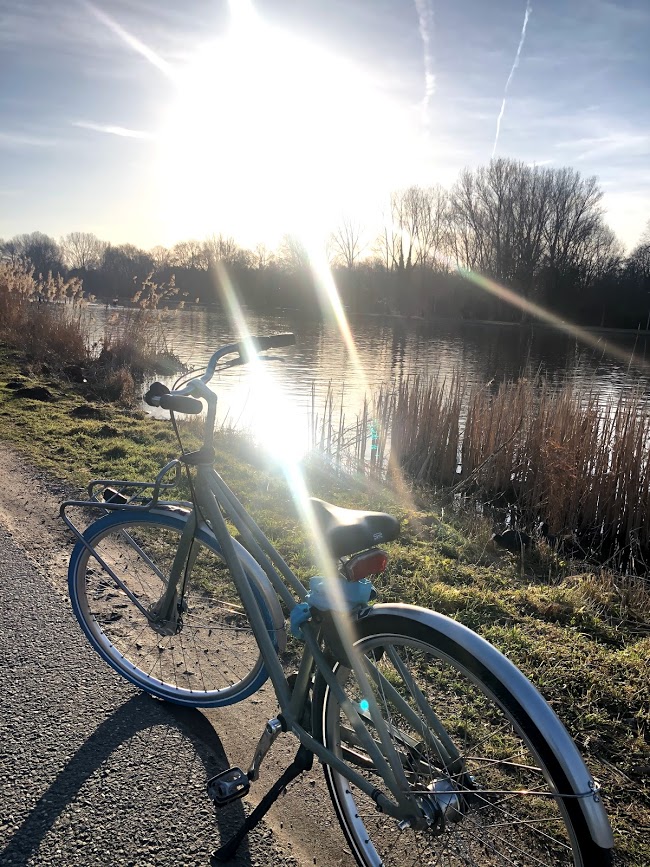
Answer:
(434, 746)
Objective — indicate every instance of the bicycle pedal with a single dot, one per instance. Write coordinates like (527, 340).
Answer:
(229, 785)
(111, 495)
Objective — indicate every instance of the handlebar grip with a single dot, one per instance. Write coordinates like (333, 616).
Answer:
(156, 389)
(181, 403)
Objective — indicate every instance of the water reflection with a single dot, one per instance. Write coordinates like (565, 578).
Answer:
(389, 351)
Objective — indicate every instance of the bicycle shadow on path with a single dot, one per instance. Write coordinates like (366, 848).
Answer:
(154, 761)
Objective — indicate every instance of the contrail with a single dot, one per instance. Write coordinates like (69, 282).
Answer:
(425, 26)
(132, 41)
(515, 64)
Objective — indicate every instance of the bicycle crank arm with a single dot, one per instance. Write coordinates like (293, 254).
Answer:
(271, 730)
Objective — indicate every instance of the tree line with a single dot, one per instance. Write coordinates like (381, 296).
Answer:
(539, 231)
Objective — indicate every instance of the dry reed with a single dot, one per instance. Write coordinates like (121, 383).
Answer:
(45, 320)
(574, 459)
(42, 317)
(352, 447)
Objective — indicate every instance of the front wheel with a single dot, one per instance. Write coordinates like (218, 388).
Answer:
(212, 659)
(496, 777)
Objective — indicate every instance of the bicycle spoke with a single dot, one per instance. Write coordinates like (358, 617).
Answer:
(213, 647)
(491, 807)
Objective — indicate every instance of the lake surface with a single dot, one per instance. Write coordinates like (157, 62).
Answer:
(276, 400)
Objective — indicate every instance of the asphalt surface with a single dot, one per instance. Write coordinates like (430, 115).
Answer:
(93, 772)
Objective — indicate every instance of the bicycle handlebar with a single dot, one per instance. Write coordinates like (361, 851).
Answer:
(180, 400)
(246, 348)
(180, 403)
(260, 344)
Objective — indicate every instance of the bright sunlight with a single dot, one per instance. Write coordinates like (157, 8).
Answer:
(270, 134)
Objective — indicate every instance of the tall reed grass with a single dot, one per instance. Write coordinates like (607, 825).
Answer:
(41, 317)
(576, 460)
(46, 321)
(354, 446)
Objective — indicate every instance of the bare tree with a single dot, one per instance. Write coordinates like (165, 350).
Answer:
(385, 247)
(600, 256)
(261, 257)
(224, 249)
(11, 251)
(639, 259)
(189, 254)
(82, 250)
(293, 254)
(346, 242)
(125, 267)
(574, 214)
(396, 243)
(432, 227)
(528, 227)
(161, 257)
(467, 239)
(39, 250)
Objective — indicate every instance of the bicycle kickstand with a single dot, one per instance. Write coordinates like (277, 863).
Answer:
(302, 762)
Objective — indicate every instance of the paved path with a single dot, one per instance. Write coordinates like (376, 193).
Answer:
(95, 772)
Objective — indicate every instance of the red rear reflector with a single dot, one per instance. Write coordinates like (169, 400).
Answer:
(369, 563)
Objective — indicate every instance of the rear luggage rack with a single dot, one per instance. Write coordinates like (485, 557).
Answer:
(109, 495)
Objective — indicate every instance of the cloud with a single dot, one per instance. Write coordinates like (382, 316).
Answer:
(132, 41)
(19, 139)
(111, 129)
(76, 29)
(621, 142)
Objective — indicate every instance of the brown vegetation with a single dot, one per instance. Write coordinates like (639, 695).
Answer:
(41, 317)
(573, 459)
(576, 461)
(44, 320)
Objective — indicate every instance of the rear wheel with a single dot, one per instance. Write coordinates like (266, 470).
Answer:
(212, 659)
(487, 778)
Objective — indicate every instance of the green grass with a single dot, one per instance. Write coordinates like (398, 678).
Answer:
(583, 638)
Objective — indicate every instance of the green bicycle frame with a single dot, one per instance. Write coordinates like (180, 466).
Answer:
(214, 499)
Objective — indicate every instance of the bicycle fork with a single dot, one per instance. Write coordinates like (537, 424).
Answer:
(165, 614)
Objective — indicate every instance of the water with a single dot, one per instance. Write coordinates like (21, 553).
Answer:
(276, 401)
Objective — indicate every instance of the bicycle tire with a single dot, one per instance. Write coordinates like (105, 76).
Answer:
(509, 740)
(194, 667)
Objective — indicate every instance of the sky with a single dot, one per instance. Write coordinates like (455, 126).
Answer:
(151, 121)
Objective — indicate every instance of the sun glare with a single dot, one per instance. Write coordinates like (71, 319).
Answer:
(260, 405)
(270, 134)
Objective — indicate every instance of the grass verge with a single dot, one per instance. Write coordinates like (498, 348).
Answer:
(583, 638)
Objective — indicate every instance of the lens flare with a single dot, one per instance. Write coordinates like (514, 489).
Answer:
(546, 316)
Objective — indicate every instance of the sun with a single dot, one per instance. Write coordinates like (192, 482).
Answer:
(269, 133)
